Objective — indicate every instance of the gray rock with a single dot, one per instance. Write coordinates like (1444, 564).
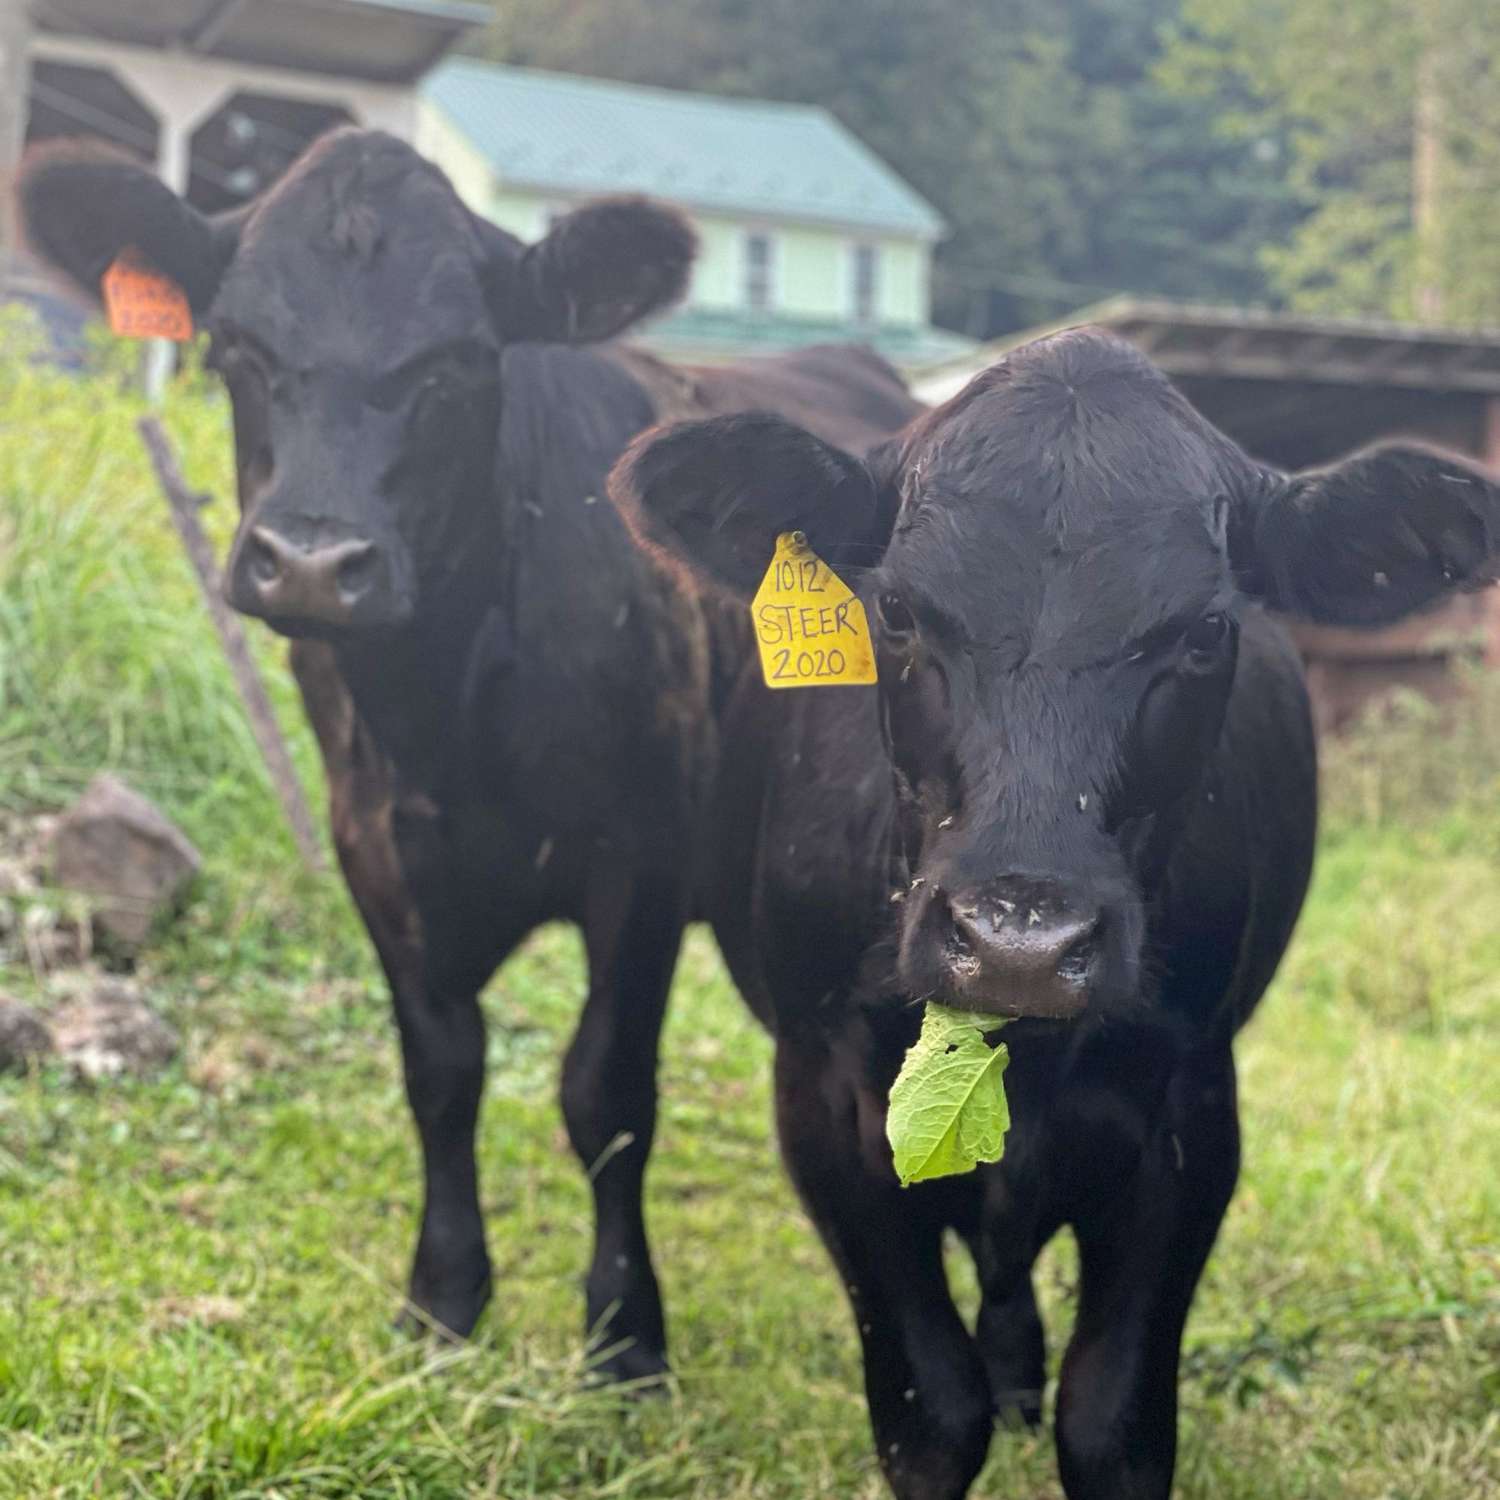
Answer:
(24, 1037)
(16, 878)
(117, 848)
(109, 1031)
(53, 939)
(23, 851)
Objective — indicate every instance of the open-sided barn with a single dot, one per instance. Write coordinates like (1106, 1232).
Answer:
(1297, 391)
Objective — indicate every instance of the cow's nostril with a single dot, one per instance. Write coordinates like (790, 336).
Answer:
(356, 572)
(1077, 961)
(963, 961)
(264, 562)
(1014, 947)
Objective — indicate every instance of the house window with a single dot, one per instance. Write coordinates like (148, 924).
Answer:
(866, 283)
(759, 257)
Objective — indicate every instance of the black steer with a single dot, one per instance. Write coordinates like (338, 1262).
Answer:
(1083, 795)
(513, 705)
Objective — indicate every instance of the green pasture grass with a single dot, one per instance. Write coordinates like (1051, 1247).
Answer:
(198, 1272)
(107, 658)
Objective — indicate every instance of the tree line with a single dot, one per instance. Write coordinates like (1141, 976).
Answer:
(1333, 156)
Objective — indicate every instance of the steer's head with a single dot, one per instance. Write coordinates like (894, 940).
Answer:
(1056, 565)
(358, 313)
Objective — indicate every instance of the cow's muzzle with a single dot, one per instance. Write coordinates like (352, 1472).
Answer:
(332, 586)
(1014, 947)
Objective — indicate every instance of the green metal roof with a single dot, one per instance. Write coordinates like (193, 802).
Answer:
(566, 134)
(717, 333)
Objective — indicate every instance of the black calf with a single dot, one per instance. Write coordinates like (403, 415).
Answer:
(1083, 795)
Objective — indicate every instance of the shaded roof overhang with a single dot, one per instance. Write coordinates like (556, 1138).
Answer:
(381, 41)
(1188, 339)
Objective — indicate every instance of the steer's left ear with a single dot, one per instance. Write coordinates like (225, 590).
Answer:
(715, 495)
(600, 269)
(1372, 538)
(83, 202)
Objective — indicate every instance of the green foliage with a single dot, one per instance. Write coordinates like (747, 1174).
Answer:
(948, 1110)
(1066, 170)
(1411, 764)
(1408, 867)
(1351, 84)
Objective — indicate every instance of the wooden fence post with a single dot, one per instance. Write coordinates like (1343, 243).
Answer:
(184, 505)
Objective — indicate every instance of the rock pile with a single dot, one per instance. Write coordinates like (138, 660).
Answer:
(92, 883)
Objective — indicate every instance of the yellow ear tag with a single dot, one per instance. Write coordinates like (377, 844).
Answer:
(144, 304)
(810, 628)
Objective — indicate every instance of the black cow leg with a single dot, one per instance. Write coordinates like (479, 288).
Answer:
(442, 1052)
(1140, 1262)
(999, 1223)
(1009, 1333)
(925, 1383)
(609, 1102)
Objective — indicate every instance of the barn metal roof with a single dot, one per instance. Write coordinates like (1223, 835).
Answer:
(1191, 339)
(385, 41)
(566, 134)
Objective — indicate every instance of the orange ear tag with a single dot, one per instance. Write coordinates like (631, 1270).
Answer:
(143, 304)
(810, 628)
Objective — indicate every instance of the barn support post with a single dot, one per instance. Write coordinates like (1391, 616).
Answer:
(184, 506)
(174, 161)
(1490, 454)
(15, 90)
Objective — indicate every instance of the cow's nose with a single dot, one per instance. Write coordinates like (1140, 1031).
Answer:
(322, 585)
(1019, 948)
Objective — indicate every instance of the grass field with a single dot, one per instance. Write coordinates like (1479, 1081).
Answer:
(197, 1273)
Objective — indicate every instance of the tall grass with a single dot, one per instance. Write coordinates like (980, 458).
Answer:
(1410, 763)
(107, 657)
(1405, 917)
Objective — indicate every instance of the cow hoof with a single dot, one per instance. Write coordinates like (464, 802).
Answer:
(417, 1323)
(635, 1369)
(448, 1317)
(1018, 1411)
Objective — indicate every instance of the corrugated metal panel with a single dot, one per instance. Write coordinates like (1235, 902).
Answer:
(1250, 343)
(145, 23)
(387, 41)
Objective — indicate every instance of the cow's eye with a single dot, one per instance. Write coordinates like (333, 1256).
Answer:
(1206, 638)
(895, 618)
(234, 360)
(434, 400)
(233, 351)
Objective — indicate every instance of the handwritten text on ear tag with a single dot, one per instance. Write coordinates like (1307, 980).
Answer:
(143, 304)
(810, 628)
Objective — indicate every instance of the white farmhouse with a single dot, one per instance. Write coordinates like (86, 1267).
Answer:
(806, 235)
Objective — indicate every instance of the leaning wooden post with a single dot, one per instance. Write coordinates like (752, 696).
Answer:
(184, 505)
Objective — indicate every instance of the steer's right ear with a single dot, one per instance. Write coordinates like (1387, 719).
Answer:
(82, 203)
(715, 495)
(1370, 539)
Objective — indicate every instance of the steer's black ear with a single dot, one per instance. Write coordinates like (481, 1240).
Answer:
(1370, 539)
(715, 495)
(600, 269)
(82, 203)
